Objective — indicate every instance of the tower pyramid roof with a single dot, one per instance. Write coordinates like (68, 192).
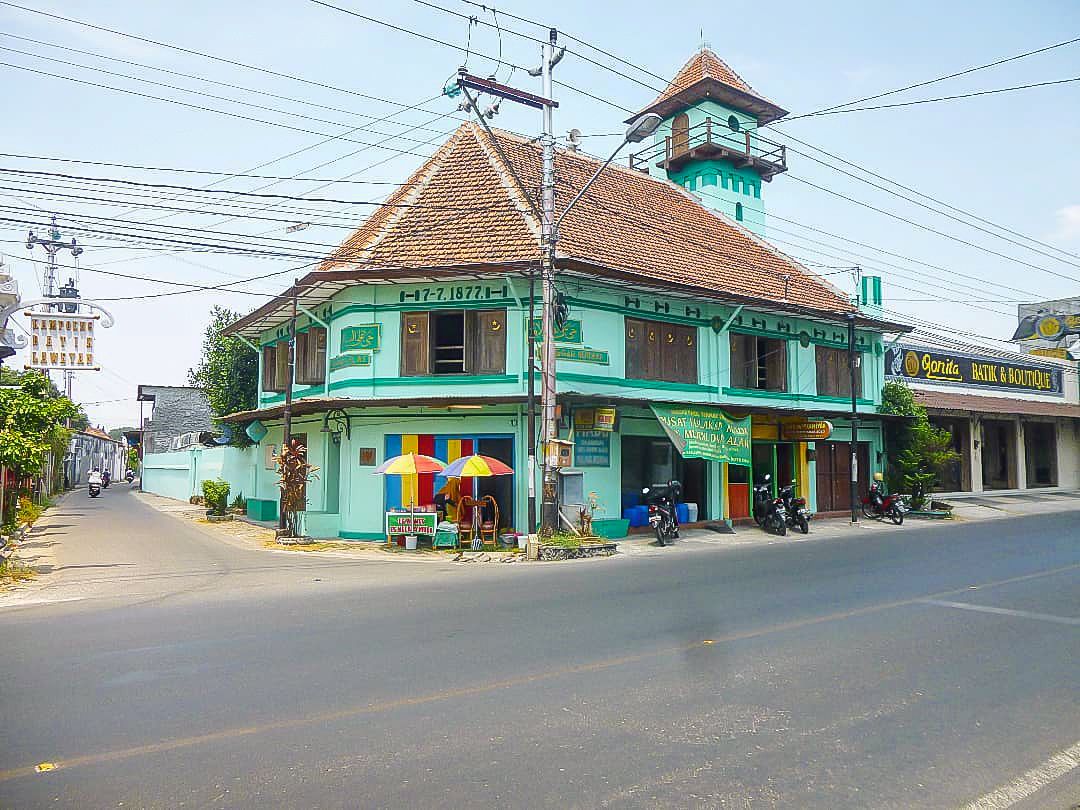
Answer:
(706, 75)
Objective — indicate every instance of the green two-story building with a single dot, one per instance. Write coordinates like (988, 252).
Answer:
(413, 335)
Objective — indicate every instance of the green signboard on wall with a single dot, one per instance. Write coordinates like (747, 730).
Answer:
(582, 355)
(698, 431)
(570, 333)
(366, 336)
(349, 361)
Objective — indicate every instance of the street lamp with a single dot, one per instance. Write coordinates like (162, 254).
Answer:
(640, 129)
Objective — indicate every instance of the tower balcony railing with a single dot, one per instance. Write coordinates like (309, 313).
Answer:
(714, 140)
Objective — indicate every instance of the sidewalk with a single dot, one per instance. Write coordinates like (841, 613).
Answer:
(966, 508)
(982, 507)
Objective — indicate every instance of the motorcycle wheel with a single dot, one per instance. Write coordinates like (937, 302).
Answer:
(804, 524)
(781, 528)
(661, 537)
(868, 511)
(896, 515)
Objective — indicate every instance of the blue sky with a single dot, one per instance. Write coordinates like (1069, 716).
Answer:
(1010, 158)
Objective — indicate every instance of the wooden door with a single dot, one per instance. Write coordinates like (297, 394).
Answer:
(680, 134)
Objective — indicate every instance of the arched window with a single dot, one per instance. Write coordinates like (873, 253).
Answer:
(680, 134)
(738, 212)
(733, 123)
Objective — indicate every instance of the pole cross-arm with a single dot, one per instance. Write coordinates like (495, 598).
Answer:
(509, 166)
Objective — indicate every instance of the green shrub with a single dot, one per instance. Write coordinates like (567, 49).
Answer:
(240, 503)
(216, 495)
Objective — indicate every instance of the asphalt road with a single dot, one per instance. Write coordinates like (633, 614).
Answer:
(904, 670)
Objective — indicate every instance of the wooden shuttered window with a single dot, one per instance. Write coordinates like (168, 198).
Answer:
(269, 370)
(680, 134)
(485, 340)
(311, 356)
(415, 344)
(833, 373)
(453, 342)
(661, 351)
(758, 363)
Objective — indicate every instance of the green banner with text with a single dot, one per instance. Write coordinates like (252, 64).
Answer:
(698, 431)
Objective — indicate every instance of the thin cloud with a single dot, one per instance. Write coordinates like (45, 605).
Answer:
(1068, 221)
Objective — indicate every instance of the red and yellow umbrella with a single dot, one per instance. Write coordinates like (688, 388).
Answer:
(410, 464)
(476, 466)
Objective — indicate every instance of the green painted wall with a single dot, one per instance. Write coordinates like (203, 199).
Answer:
(719, 184)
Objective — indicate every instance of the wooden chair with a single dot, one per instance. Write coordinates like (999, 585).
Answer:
(467, 529)
(490, 527)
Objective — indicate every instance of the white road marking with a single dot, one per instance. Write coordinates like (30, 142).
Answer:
(1024, 614)
(1023, 786)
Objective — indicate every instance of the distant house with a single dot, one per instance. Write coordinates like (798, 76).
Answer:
(177, 413)
(92, 449)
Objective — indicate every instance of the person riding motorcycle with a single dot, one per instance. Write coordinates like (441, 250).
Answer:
(94, 477)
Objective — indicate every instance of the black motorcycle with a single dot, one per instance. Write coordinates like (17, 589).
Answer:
(129, 476)
(795, 509)
(662, 500)
(769, 513)
(105, 479)
(95, 490)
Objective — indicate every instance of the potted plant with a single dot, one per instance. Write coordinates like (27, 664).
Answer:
(216, 498)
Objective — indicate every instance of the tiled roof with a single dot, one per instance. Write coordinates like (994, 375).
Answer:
(462, 208)
(971, 403)
(705, 65)
(704, 68)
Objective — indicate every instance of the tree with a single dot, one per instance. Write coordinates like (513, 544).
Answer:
(918, 451)
(33, 419)
(117, 434)
(228, 372)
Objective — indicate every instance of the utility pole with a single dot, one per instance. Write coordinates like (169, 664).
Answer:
(286, 433)
(549, 519)
(853, 360)
(52, 245)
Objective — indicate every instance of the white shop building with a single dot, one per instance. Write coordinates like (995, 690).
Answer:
(1015, 418)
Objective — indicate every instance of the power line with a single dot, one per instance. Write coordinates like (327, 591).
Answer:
(203, 108)
(935, 230)
(963, 72)
(177, 170)
(204, 55)
(144, 66)
(943, 98)
(910, 189)
(258, 195)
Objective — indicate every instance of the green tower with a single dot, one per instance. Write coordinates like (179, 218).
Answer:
(708, 142)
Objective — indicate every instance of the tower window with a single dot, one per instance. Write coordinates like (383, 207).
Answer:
(733, 123)
(708, 180)
(757, 190)
(738, 212)
(723, 180)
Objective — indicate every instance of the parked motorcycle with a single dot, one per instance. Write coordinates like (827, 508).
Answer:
(662, 500)
(95, 489)
(762, 500)
(878, 506)
(129, 476)
(769, 513)
(795, 509)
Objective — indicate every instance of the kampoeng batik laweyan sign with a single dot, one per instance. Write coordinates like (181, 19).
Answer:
(940, 367)
(698, 431)
(62, 340)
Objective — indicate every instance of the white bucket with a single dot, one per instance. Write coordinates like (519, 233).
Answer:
(523, 541)
(410, 542)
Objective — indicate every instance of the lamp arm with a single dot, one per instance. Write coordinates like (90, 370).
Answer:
(586, 187)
